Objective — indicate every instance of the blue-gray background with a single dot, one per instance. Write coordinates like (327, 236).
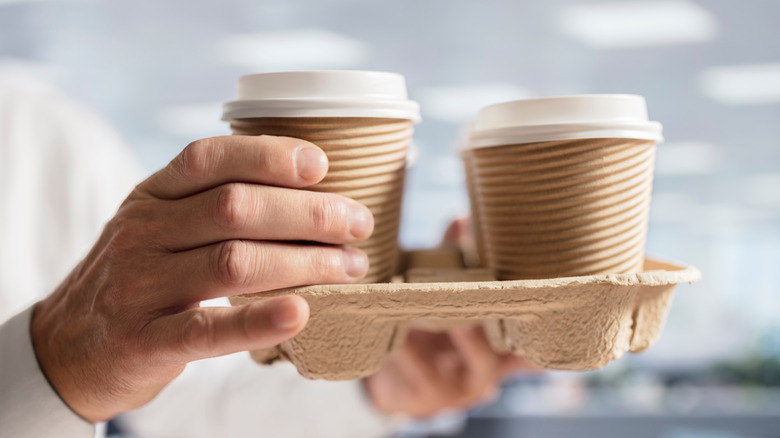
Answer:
(710, 70)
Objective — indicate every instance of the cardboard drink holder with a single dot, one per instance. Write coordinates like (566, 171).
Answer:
(574, 323)
(559, 187)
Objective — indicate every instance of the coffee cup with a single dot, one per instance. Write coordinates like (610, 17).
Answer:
(562, 185)
(362, 120)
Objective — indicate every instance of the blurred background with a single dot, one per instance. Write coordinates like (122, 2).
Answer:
(710, 70)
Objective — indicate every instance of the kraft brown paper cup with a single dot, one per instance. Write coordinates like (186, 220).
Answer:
(476, 222)
(367, 162)
(563, 208)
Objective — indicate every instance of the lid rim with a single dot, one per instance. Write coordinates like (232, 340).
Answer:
(647, 130)
(556, 110)
(240, 109)
(316, 93)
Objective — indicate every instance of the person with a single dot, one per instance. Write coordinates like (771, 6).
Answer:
(219, 220)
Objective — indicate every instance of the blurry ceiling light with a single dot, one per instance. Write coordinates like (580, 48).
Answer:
(619, 24)
(46, 71)
(670, 207)
(11, 2)
(193, 121)
(763, 190)
(722, 218)
(293, 50)
(742, 84)
(413, 154)
(687, 158)
(460, 103)
(683, 209)
(445, 170)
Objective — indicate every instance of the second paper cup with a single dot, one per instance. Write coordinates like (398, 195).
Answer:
(563, 185)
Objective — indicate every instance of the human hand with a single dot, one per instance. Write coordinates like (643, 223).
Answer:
(438, 371)
(127, 319)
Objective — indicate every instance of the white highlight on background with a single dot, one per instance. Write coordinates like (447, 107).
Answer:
(711, 218)
(11, 2)
(763, 189)
(460, 103)
(742, 84)
(193, 121)
(620, 24)
(46, 71)
(293, 50)
(687, 158)
(671, 207)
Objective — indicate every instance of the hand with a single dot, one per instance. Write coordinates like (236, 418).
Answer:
(438, 371)
(127, 320)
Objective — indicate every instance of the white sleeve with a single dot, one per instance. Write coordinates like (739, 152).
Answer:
(29, 406)
(70, 171)
(233, 396)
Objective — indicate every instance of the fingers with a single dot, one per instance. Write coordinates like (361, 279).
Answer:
(458, 231)
(484, 365)
(512, 364)
(205, 332)
(418, 362)
(475, 349)
(249, 211)
(421, 359)
(208, 163)
(236, 267)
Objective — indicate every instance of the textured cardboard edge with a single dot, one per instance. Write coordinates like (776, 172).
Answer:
(573, 323)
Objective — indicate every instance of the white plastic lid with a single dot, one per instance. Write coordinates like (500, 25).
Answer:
(326, 93)
(564, 118)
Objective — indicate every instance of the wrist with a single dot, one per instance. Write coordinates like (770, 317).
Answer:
(43, 325)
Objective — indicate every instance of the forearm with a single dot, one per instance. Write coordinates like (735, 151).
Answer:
(29, 406)
(232, 396)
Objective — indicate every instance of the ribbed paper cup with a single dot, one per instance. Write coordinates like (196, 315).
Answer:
(367, 162)
(363, 122)
(476, 220)
(569, 206)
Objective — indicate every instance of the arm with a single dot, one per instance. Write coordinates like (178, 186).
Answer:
(233, 396)
(29, 406)
(74, 174)
(213, 223)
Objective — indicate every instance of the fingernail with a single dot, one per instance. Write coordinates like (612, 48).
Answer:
(361, 221)
(355, 262)
(311, 163)
(287, 314)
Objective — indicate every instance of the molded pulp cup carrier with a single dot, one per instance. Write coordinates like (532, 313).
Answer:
(560, 188)
(562, 185)
(361, 119)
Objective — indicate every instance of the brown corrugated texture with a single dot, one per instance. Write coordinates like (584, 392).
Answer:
(563, 208)
(367, 159)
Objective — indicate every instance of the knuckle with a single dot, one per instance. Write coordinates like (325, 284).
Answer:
(234, 263)
(231, 209)
(136, 225)
(125, 232)
(326, 264)
(110, 302)
(198, 334)
(197, 158)
(479, 393)
(487, 394)
(328, 216)
(268, 160)
(244, 318)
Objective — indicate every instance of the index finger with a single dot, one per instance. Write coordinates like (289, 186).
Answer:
(475, 349)
(211, 162)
